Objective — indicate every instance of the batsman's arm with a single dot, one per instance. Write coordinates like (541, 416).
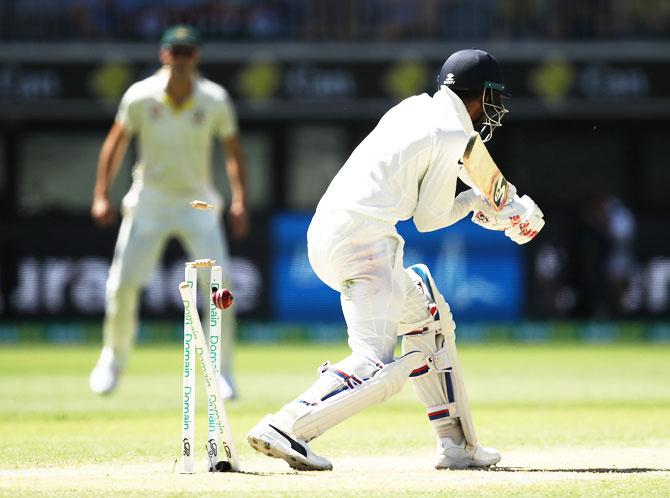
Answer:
(111, 155)
(238, 214)
(437, 205)
(462, 205)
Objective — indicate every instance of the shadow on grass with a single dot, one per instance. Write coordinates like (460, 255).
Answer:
(596, 470)
(631, 470)
(288, 473)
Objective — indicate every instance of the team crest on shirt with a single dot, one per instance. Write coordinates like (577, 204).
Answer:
(155, 112)
(198, 116)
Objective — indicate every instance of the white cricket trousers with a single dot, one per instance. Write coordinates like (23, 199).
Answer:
(145, 230)
(362, 258)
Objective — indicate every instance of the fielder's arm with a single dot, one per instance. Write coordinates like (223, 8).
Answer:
(239, 217)
(111, 154)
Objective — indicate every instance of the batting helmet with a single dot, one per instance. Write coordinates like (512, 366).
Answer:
(474, 69)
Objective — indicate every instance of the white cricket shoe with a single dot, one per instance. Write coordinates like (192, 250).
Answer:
(227, 387)
(450, 455)
(105, 376)
(266, 438)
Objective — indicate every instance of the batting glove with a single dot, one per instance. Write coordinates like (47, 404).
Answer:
(526, 227)
(521, 218)
(486, 217)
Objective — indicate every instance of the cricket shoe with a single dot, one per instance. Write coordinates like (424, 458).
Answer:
(450, 455)
(105, 375)
(267, 438)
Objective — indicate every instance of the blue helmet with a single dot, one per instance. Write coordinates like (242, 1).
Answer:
(474, 69)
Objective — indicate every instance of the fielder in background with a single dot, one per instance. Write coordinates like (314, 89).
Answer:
(176, 114)
(407, 167)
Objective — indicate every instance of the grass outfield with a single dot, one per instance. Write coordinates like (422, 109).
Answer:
(569, 420)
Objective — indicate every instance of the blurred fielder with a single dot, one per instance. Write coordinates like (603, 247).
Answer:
(406, 168)
(175, 114)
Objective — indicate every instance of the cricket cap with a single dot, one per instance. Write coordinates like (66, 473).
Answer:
(181, 34)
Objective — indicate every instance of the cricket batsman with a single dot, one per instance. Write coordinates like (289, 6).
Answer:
(175, 115)
(407, 167)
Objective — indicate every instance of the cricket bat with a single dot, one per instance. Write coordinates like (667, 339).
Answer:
(484, 173)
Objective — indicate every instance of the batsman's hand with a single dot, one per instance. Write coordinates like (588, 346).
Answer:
(238, 217)
(521, 219)
(529, 225)
(102, 211)
(486, 217)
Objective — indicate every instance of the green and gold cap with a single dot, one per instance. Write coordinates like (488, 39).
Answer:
(181, 34)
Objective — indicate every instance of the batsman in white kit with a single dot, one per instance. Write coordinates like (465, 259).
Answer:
(175, 114)
(407, 167)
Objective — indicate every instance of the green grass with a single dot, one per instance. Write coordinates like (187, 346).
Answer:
(554, 412)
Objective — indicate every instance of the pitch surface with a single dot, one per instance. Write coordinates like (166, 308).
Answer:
(568, 419)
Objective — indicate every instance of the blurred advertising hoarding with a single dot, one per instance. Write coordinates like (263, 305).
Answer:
(268, 83)
(58, 270)
(480, 272)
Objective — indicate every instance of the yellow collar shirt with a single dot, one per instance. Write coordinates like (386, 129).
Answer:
(175, 144)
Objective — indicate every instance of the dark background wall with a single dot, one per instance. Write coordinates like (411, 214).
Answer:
(585, 138)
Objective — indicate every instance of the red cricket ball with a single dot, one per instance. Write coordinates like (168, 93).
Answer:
(222, 299)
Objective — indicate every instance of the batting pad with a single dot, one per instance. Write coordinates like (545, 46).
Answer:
(433, 381)
(335, 409)
(439, 382)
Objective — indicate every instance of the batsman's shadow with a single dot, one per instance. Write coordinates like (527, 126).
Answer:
(275, 474)
(594, 470)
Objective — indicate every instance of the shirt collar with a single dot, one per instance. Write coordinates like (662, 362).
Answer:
(163, 75)
(449, 100)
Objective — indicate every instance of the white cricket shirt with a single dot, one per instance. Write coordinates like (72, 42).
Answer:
(408, 165)
(175, 144)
